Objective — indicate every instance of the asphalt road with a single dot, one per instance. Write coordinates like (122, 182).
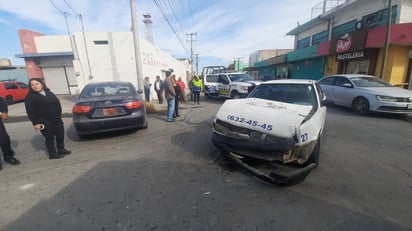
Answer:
(167, 178)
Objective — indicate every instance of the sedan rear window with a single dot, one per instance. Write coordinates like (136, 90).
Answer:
(107, 90)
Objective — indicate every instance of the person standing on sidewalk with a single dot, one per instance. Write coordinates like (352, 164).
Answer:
(197, 83)
(147, 86)
(170, 96)
(44, 110)
(182, 86)
(192, 89)
(177, 97)
(8, 153)
(158, 86)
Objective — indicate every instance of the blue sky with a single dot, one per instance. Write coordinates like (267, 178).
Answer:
(225, 28)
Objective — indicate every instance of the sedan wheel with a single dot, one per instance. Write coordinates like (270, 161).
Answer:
(361, 106)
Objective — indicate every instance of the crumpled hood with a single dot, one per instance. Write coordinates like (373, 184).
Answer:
(283, 117)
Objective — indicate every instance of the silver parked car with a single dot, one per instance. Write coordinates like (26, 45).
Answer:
(366, 93)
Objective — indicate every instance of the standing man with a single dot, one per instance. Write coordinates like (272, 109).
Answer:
(197, 83)
(182, 86)
(192, 89)
(147, 86)
(170, 96)
(158, 86)
(8, 153)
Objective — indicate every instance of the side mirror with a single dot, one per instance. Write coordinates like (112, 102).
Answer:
(139, 92)
(347, 85)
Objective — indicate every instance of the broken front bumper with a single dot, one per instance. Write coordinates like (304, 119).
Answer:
(276, 153)
(275, 177)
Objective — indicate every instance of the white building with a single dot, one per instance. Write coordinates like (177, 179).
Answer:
(67, 66)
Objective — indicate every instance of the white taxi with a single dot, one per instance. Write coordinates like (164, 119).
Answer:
(280, 123)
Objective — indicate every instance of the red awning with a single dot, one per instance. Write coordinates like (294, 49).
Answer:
(323, 48)
(400, 34)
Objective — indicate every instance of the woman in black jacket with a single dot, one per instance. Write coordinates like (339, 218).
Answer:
(44, 110)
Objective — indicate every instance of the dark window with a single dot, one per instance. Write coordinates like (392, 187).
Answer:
(23, 85)
(101, 42)
(327, 81)
(344, 28)
(320, 37)
(223, 79)
(340, 81)
(10, 86)
(303, 43)
(211, 78)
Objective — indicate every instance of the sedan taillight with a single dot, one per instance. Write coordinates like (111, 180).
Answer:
(134, 105)
(81, 109)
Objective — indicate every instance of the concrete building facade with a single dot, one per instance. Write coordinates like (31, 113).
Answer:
(351, 38)
(68, 63)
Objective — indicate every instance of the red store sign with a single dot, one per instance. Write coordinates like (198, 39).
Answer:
(348, 42)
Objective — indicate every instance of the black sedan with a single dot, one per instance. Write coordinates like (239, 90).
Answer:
(108, 106)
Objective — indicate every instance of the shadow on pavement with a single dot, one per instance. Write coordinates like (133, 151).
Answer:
(166, 195)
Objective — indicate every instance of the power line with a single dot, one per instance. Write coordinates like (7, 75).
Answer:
(84, 39)
(158, 4)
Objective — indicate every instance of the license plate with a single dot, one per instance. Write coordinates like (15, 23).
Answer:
(409, 106)
(110, 111)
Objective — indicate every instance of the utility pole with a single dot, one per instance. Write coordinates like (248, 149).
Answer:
(84, 39)
(136, 48)
(197, 64)
(191, 40)
(85, 47)
(238, 62)
(387, 39)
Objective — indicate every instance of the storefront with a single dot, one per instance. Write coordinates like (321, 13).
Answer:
(351, 56)
(306, 64)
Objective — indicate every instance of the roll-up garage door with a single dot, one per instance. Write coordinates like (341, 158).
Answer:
(56, 79)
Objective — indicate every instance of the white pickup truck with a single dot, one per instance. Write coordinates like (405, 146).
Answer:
(229, 85)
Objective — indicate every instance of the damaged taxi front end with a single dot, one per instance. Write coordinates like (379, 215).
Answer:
(280, 123)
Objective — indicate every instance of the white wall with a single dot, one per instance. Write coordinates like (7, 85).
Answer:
(314, 30)
(53, 43)
(405, 11)
(116, 61)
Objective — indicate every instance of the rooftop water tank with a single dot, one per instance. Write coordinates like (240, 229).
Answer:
(5, 63)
